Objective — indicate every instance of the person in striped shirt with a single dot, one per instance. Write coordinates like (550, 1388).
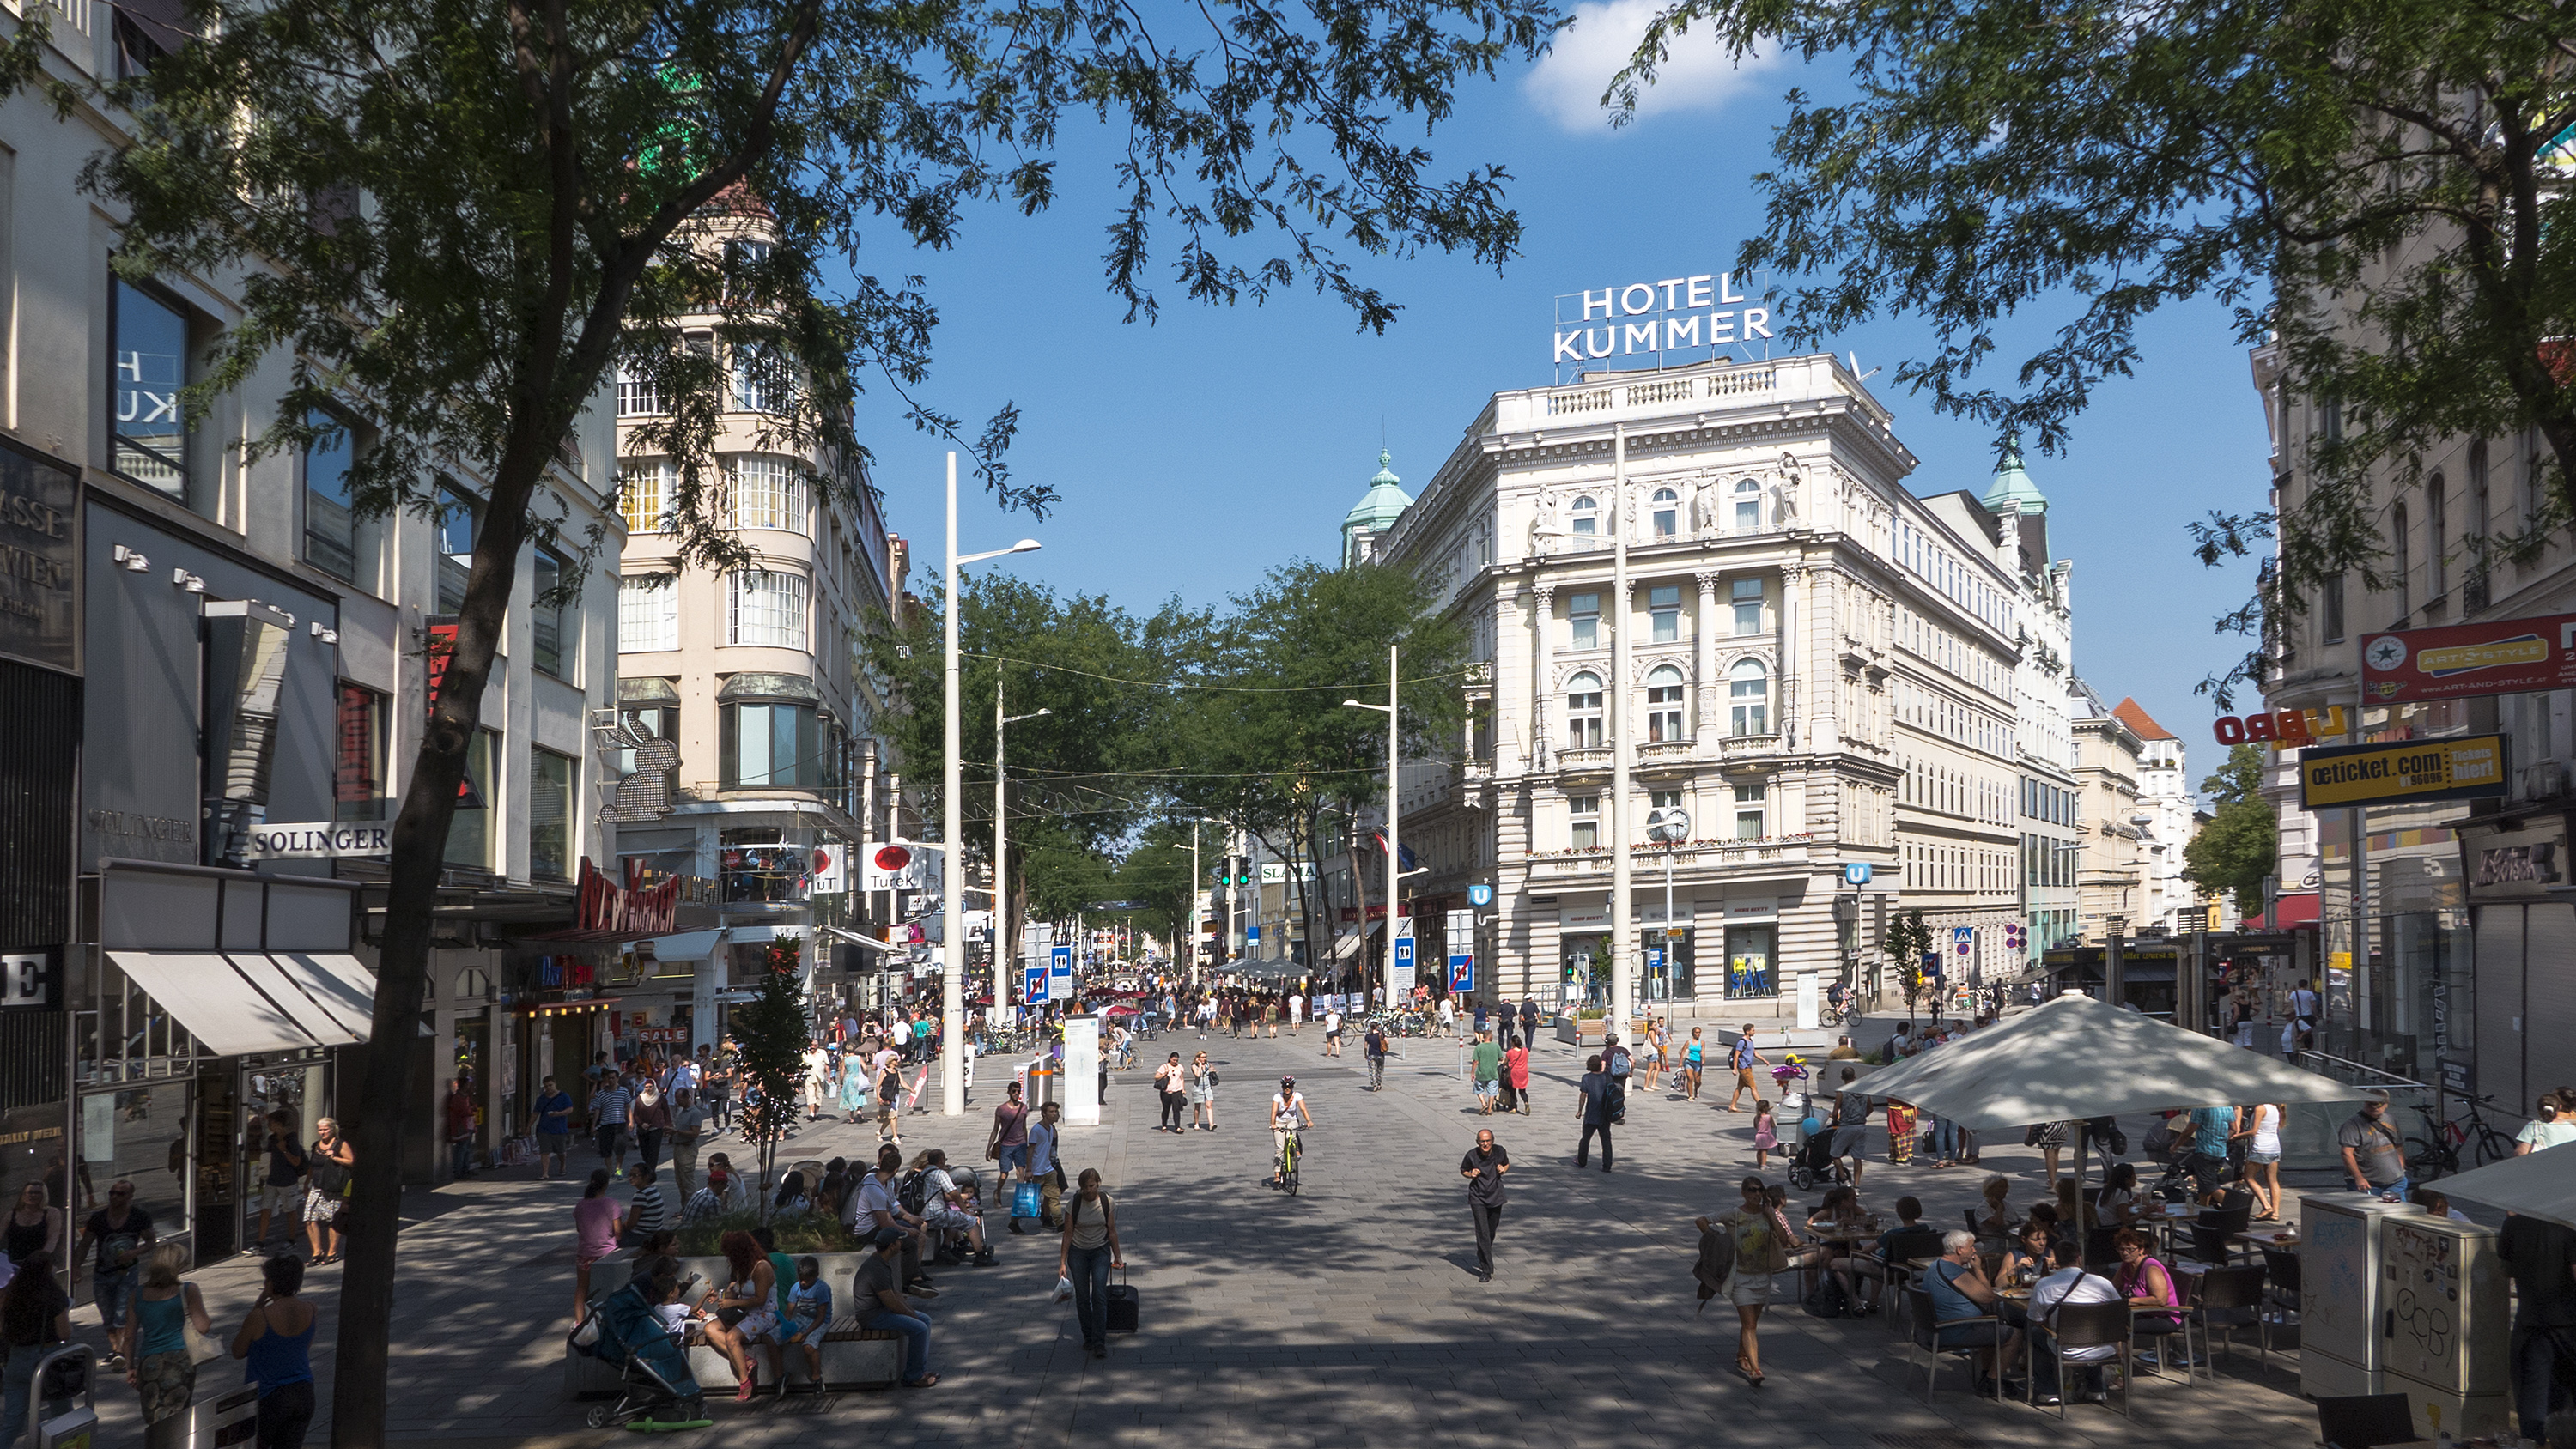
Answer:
(646, 1212)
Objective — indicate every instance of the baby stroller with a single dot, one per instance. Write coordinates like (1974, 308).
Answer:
(656, 1392)
(1814, 1163)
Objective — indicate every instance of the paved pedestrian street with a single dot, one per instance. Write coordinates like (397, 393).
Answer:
(1347, 1316)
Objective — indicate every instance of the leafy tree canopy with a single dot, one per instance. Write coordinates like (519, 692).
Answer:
(2372, 187)
(2241, 844)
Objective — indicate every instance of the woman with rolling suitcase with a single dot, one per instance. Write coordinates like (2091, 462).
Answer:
(1090, 1251)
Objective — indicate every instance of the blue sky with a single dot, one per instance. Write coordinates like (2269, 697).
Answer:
(1194, 453)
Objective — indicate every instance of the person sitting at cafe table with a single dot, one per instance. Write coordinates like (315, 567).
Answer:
(2026, 1258)
(1960, 1291)
(2118, 1205)
(2147, 1283)
(1845, 1232)
(1997, 1220)
(2067, 1282)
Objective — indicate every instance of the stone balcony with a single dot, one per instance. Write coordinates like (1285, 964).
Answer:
(1564, 869)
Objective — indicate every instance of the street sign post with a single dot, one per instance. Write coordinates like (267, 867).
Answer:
(1856, 873)
(1400, 973)
(1480, 895)
(1060, 973)
(1462, 971)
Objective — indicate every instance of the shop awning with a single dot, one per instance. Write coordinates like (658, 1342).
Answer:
(686, 946)
(216, 1003)
(338, 982)
(273, 979)
(1347, 947)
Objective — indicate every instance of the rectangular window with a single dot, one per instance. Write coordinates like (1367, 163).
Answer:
(556, 623)
(358, 772)
(330, 517)
(1748, 606)
(1586, 813)
(2330, 610)
(662, 722)
(764, 493)
(758, 386)
(550, 778)
(637, 396)
(648, 613)
(643, 493)
(1665, 605)
(469, 831)
(149, 345)
(1583, 613)
(1751, 809)
(765, 608)
(455, 535)
(771, 745)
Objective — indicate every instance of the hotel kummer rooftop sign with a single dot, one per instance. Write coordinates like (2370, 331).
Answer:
(1660, 323)
(2504, 656)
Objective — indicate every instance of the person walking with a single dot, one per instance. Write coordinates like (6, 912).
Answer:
(1693, 1058)
(2540, 1256)
(550, 1122)
(652, 1119)
(1759, 1253)
(1009, 1142)
(1516, 1079)
(1592, 1109)
(35, 1227)
(1090, 1249)
(1529, 1022)
(275, 1343)
(281, 1190)
(1486, 1062)
(154, 1345)
(326, 1187)
(1743, 1056)
(1202, 1085)
(1333, 1030)
(1169, 1085)
(1373, 1047)
(460, 1127)
(1851, 1124)
(688, 1129)
(1483, 1168)
(2374, 1159)
(611, 1108)
(124, 1233)
(35, 1319)
(594, 1236)
(1615, 1064)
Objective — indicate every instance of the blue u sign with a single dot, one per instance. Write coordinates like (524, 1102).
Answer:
(1856, 873)
(1480, 895)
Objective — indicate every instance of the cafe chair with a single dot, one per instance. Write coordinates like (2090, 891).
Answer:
(1927, 1337)
(2100, 1254)
(2365, 1421)
(2208, 1245)
(2088, 1325)
(2229, 1299)
(2280, 1290)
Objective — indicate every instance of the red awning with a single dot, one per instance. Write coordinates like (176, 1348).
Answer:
(2293, 911)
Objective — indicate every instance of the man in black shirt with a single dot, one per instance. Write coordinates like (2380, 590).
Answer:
(2541, 1256)
(1483, 1168)
(122, 1232)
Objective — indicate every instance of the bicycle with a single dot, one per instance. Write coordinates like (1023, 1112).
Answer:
(2427, 1159)
(1289, 1152)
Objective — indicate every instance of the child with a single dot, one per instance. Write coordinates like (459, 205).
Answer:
(1900, 1132)
(809, 1308)
(1765, 1138)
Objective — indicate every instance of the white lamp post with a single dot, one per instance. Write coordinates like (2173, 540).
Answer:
(1669, 825)
(1003, 961)
(952, 891)
(1394, 851)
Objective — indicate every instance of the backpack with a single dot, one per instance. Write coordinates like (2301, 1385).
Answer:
(913, 1192)
(1826, 1299)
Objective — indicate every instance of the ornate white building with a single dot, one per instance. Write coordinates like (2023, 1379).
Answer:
(1820, 671)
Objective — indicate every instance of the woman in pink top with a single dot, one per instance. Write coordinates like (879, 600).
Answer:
(594, 1236)
(1516, 1076)
(2146, 1283)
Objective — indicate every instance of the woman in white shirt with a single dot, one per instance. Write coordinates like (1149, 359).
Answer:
(2549, 1127)
(2263, 1162)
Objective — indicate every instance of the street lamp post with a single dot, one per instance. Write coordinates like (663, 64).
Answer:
(1394, 851)
(1623, 924)
(1003, 960)
(1669, 825)
(952, 889)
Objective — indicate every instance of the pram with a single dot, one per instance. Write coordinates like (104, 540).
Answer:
(656, 1391)
(1814, 1163)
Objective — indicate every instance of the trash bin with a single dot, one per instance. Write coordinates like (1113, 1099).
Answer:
(61, 1376)
(229, 1420)
(1042, 1084)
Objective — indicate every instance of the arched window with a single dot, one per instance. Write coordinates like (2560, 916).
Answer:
(1583, 712)
(1587, 517)
(1664, 706)
(2401, 557)
(1748, 506)
(2437, 540)
(1668, 514)
(1749, 690)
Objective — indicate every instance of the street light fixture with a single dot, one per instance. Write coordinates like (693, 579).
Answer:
(1003, 959)
(952, 893)
(1394, 852)
(1668, 825)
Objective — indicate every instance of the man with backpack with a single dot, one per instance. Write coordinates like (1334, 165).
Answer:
(1614, 1067)
(1373, 1047)
(1851, 1123)
(1744, 1057)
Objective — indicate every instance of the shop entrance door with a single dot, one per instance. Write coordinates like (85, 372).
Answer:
(218, 1167)
(474, 1064)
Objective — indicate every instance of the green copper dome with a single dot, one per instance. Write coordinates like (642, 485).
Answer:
(1384, 502)
(2012, 485)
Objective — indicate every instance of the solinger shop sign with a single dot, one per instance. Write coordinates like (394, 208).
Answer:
(2504, 656)
(321, 840)
(2469, 767)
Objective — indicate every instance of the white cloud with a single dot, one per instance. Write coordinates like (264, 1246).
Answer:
(1699, 75)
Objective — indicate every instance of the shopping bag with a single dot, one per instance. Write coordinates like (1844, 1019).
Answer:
(1024, 1200)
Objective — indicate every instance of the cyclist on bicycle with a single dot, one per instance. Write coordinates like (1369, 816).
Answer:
(1286, 1110)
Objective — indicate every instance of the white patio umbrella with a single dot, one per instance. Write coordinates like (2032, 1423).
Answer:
(2074, 1057)
(2541, 1184)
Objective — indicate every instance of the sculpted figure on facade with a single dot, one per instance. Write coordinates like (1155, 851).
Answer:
(1793, 480)
(1704, 506)
(1543, 525)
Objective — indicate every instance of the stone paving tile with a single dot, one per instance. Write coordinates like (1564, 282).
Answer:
(1347, 1316)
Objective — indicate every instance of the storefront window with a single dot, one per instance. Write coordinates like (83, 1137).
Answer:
(469, 831)
(550, 779)
(1748, 961)
(139, 1135)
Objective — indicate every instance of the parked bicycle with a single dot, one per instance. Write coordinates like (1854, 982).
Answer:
(2439, 1153)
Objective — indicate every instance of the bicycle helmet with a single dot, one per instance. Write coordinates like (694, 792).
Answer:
(1287, 1084)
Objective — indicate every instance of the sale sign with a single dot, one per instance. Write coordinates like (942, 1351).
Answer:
(2504, 656)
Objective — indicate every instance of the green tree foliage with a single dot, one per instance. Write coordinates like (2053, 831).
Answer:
(773, 1034)
(2241, 844)
(1275, 750)
(2374, 185)
(1909, 940)
(452, 218)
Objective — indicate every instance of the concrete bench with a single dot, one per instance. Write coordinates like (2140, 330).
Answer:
(853, 1357)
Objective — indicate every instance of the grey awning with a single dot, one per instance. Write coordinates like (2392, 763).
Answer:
(770, 686)
(276, 982)
(338, 982)
(647, 691)
(216, 1003)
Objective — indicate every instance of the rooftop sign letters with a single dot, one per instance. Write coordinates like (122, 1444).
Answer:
(2505, 656)
(2470, 767)
(1662, 323)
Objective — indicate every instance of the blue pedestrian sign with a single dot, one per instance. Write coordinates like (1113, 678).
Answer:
(1252, 935)
(1856, 873)
(1480, 895)
(1404, 953)
(1462, 971)
(1060, 967)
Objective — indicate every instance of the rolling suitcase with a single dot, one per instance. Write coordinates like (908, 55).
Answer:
(1122, 1306)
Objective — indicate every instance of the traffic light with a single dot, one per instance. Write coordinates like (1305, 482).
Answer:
(1238, 870)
